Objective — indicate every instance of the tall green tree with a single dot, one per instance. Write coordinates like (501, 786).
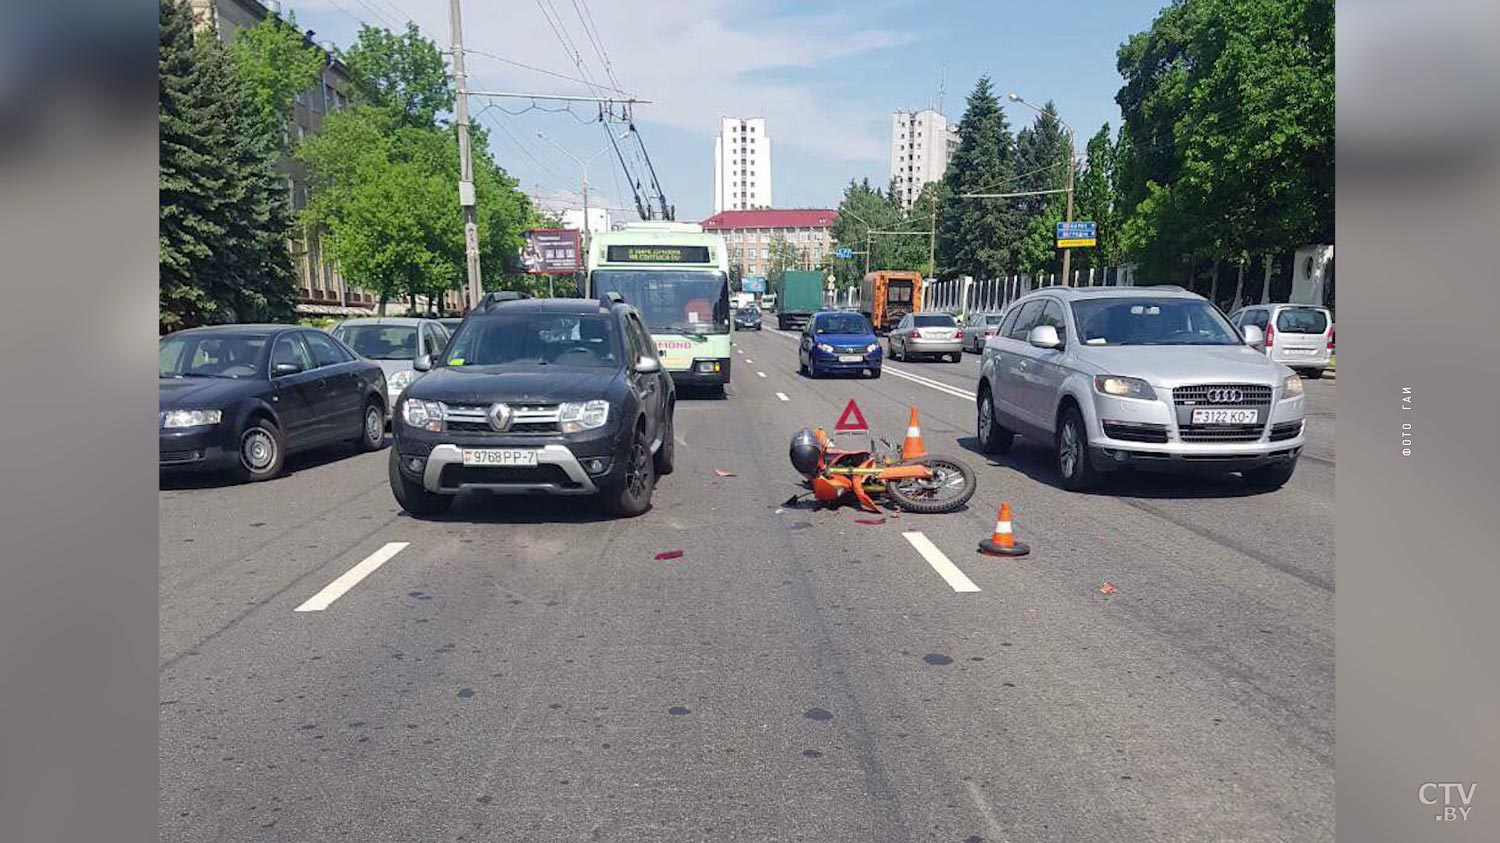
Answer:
(189, 173)
(223, 214)
(1042, 151)
(977, 236)
(1095, 200)
(1228, 110)
(781, 256)
(385, 171)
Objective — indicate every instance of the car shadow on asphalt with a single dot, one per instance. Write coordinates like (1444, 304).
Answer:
(1039, 463)
(298, 462)
(479, 507)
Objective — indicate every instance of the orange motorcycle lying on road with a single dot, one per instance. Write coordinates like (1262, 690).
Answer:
(915, 480)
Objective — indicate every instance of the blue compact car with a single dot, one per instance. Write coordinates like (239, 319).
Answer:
(839, 342)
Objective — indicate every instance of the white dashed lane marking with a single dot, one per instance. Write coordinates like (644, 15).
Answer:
(782, 396)
(350, 578)
(940, 563)
(762, 374)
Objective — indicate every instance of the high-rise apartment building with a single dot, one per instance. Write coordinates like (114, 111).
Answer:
(921, 143)
(742, 165)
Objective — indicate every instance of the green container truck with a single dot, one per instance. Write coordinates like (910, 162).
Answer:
(801, 297)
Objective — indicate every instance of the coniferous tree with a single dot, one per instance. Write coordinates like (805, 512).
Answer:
(189, 177)
(978, 236)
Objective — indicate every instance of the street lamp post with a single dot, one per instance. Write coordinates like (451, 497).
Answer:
(1072, 158)
(583, 164)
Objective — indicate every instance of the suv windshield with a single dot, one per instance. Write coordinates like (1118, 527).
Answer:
(210, 355)
(380, 342)
(535, 339)
(1151, 321)
(671, 301)
(1301, 320)
(933, 320)
(842, 323)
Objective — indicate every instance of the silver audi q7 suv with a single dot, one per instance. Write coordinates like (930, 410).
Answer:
(1148, 377)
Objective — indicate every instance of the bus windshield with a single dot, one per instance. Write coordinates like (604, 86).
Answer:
(671, 301)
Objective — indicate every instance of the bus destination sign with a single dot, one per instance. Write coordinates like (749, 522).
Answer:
(658, 254)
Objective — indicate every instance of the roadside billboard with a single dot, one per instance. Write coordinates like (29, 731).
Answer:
(753, 284)
(550, 251)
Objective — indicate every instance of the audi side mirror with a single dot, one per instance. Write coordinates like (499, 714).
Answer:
(423, 363)
(1044, 336)
(1254, 336)
(285, 369)
(647, 365)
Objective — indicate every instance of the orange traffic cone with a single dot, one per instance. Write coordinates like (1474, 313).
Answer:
(913, 448)
(1003, 542)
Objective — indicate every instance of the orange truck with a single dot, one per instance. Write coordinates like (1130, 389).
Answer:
(887, 295)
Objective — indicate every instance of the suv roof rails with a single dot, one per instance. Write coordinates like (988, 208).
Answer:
(1165, 287)
(610, 298)
(489, 300)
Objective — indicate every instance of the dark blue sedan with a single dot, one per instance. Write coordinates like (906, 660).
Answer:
(241, 397)
(839, 342)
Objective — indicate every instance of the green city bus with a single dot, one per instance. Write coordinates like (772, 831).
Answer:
(677, 276)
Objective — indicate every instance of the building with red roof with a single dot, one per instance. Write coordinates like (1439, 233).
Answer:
(749, 235)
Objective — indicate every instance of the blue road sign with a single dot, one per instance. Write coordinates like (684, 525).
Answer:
(844, 253)
(1080, 230)
(753, 284)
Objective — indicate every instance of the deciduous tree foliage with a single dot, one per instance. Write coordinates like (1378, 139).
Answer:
(276, 63)
(385, 175)
(1228, 108)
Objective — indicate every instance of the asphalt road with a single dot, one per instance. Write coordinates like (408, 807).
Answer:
(524, 669)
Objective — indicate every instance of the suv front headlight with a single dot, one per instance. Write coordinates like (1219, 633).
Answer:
(400, 380)
(825, 348)
(575, 416)
(190, 418)
(1121, 387)
(425, 415)
(872, 348)
(1291, 387)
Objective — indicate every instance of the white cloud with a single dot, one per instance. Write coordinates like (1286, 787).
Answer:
(697, 61)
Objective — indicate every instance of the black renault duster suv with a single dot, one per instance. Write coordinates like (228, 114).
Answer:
(537, 396)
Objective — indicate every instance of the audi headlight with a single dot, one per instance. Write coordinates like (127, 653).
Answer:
(872, 348)
(575, 416)
(400, 380)
(190, 418)
(825, 348)
(1119, 387)
(1291, 387)
(425, 415)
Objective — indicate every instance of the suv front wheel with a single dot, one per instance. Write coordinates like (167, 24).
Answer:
(630, 495)
(1073, 463)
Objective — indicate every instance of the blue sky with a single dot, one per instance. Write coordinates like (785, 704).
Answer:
(825, 75)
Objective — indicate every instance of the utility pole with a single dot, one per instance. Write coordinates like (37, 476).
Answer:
(1072, 157)
(465, 157)
(932, 247)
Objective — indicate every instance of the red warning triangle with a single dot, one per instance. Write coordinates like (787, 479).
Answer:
(844, 422)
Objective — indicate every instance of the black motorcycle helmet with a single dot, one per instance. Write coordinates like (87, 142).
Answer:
(805, 452)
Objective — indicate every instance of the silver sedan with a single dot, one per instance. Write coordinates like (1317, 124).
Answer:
(926, 333)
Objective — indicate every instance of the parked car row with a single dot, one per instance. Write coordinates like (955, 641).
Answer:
(557, 396)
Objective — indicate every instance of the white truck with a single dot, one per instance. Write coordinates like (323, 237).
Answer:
(744, 300)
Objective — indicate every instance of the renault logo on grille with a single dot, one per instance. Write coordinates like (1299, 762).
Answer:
(1225, 396)
(500, 416)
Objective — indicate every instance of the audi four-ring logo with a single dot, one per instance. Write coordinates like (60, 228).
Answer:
(1224, 396)
(499, 416)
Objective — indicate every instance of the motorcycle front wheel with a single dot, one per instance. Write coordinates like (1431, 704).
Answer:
(950, 487)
